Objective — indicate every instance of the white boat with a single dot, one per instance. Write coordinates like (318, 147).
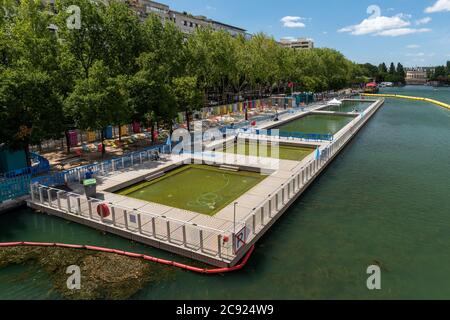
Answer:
(335, 102)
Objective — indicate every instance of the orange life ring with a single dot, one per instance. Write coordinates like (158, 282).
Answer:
(103, 210)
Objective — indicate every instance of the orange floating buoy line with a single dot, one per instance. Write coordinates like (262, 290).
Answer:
(134, 255)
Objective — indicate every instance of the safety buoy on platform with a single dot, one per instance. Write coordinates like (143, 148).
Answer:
(103, 210)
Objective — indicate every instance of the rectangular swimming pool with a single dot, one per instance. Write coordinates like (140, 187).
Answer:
(198, 188)
(350, 106)
(285, 152)
(317, 123)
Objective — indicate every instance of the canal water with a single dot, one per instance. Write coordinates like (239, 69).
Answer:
(384, 200)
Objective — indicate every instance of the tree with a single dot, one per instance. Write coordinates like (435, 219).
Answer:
(187, 95)
(382, 72)
(124, 38)
(31, 109)
(150, 96)
(30, 77)
(163, 60)
(87, 44)
(112, 69)
(392, 69)
(97, 100)
(400, 74)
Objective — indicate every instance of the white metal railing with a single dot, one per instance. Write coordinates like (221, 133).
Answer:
(261, 214)
(193, 237)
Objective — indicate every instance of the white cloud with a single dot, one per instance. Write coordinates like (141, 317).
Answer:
(439, 6)
(395, 26)
(413, 46)
(420, 54)
(401, 32)
(375, 25)
(425, 20)
(293, 22)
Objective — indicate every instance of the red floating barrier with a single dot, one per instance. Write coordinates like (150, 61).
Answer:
(39, 244)
(135, 255)
(94, 248)
(149, 258)
(166, 262)
(70, 246)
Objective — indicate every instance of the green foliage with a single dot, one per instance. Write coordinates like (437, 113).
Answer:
(31, 109)
(114, 69)
(99, 100)
(441, 74)
(30, 86)
(188, 96)
(363, 73)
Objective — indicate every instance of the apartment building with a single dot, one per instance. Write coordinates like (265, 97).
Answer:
(185, 21)
(297, 44)
(417, 76)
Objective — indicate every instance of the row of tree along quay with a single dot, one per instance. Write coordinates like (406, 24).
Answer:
(115, 69)
(394, 74)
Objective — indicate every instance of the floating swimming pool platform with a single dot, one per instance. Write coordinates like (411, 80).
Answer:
(205, 228)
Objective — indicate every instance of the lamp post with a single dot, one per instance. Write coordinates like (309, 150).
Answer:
(234, 218)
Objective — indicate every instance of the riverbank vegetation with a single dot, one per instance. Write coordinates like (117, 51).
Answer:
(113, 69)
(395, 73)
(441, 74)
(103, 275)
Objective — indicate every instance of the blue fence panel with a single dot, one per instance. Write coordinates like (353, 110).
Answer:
(16, 183)
(78, 173)
(41, 165)
(14, 187)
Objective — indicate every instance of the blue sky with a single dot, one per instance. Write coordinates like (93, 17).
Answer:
(413, 32)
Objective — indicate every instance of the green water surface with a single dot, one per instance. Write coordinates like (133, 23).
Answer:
(385, 199)
(197, 188)
(349, 106)
(317, 123)
(284, 152)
